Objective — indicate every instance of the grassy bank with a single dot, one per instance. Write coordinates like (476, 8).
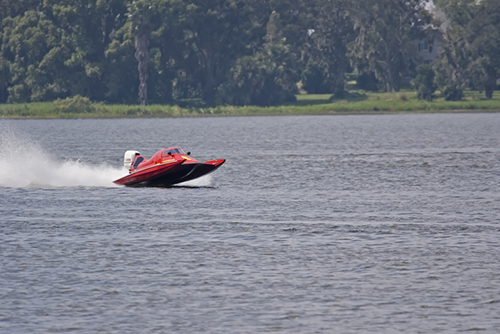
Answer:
(357, 102)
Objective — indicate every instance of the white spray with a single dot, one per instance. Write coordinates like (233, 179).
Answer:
(25, 164)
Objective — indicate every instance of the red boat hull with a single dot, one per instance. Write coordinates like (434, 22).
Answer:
(183, 173)
(166, 169)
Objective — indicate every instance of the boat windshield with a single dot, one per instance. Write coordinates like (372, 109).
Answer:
(173, 150)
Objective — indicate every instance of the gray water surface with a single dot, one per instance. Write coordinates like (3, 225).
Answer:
(315, 224)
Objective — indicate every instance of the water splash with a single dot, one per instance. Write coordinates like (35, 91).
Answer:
(25, 164)
(204, 181)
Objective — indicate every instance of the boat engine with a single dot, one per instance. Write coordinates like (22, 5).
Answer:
(128, 158)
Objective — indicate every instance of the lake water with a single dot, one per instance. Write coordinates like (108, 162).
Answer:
(315, 224)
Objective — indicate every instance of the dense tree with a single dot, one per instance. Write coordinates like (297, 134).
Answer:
(87, 29)
(234, 51)
(455, 58)
(384, 31)
(471, 54)
(4, 80)
(214, 32)
(13, 8)
(332, 32)
(31, 49)
(483, 41)
(267, 78)
(296, 18)
(121, 77)
(168, 49)
(141, 13)
(58, 50)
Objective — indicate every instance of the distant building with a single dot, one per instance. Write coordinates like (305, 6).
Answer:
(428, 50)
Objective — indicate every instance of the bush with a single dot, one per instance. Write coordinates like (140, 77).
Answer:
(424, 82)
(77, 105)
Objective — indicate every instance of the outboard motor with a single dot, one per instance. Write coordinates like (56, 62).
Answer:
(128, 158)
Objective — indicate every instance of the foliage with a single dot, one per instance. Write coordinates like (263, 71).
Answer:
(121, 78)
(313, 80)
(471, 54)
(31, 48)
(13, 8)
(58, 50)
(328, 47)
(385, 30)
(424, 82)
(235, 51)
(76, 105)
(4, 79)
(214, 33)
(483, 39)
(265, 79)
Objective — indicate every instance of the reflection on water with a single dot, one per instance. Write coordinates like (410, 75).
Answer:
(352, 224)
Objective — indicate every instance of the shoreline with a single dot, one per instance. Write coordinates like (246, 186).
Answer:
(360, 104)
(193, 115)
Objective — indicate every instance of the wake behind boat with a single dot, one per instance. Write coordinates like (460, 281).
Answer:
(167, 167)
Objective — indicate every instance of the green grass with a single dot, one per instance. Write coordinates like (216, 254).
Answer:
(357, 102)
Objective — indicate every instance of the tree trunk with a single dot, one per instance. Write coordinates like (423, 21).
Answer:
(490, 85)
(389, 83)
(209, 92)
(142, 56)
(488, 92)
(209, 68)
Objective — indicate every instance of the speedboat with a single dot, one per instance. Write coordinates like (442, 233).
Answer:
(167, 167)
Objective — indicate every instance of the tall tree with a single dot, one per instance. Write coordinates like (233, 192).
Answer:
(332, 32)
(266, 78)
(167, 49)
(56, 49)
(483, 41)
(153, 37)
(4, 79)
(296, 17)
(141, 13)
(215, 31)
(471, 54)
(13, 8)
(121, 78)
(453, 66)
(385, 30)
(31, 48)
(87, 26)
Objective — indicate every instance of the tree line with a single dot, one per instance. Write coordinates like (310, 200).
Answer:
(241, 52)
